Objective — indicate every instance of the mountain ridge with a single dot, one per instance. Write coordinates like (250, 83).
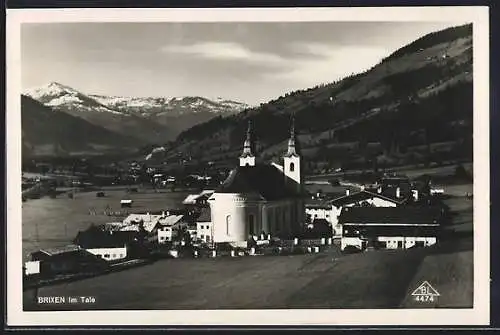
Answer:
(150, 119)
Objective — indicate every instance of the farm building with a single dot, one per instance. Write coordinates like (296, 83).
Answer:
(63, 260)
(390, 227)
(109, 245)
(330, 210)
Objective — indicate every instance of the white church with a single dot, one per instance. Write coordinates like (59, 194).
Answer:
(259, 198)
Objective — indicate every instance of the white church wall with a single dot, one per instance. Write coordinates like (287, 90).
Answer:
(230, 215)
(247, 161)
(291, 167)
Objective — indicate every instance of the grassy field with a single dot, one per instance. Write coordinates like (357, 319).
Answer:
(49, 223)
(328, 280)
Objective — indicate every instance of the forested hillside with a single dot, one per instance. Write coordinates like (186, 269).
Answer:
(415, 106)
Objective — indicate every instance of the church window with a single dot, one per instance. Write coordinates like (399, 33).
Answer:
(292, 167)
(251, 224)
(228, 223)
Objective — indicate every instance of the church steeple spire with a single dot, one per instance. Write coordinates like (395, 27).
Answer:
(292, 151)
(247, 147)
(247, 158)
(291, 159)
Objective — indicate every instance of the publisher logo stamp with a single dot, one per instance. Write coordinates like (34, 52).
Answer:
(425, 293)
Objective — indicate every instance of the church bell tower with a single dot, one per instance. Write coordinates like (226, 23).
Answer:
(291, 160)
(247, 158)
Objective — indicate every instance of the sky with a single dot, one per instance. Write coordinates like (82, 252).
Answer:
(252, 62)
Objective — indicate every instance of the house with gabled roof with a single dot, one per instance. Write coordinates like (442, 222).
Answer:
(390, 227)
(331, 209)
(62, 260)
(259, 198)
(367, 198)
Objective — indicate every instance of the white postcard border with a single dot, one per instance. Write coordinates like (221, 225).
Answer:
(479, 315)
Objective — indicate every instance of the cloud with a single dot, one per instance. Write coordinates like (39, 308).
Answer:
(224, 51)
(326, 63)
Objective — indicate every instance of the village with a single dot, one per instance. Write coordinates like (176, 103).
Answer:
(259, 209)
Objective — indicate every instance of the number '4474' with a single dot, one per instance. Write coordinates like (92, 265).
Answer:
(424, 298)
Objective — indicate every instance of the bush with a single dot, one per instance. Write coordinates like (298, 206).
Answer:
(334, 182)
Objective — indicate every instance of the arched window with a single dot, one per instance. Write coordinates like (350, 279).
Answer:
(251, 224)
(247, 164)
(292, 167)
(228, 223)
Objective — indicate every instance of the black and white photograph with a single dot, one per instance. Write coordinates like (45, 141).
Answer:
(248, 162)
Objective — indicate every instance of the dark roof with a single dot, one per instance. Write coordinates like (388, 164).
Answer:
(314, 203)
(60, 250)
(383, 215)
(396, 181)
(360, 196)
(94, 238)
(205, 215)
(327, 188)
(265, 180)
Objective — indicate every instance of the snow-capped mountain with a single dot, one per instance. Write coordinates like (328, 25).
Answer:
(175, 106)
(62, 96)
(153, 119)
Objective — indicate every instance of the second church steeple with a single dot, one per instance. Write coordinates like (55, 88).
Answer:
(247, 157)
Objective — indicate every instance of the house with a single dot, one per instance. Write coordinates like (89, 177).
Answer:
(326, 191)
(204, 226)
(167, 228)
(126, 203)
(398, 187)
(362, 198)
(200, 199)
(109, 245)
(259, 198)
(390, 227)
(318, 209)
(63, 260)
(331, 209)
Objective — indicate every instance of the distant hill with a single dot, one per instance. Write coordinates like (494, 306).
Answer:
(150, 120)
(414, 106)
(46, 132)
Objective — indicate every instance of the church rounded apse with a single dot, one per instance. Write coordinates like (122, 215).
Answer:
(259, 198)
